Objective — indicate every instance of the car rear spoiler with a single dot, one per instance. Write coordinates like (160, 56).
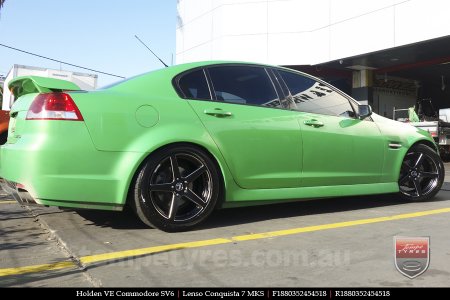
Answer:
(35, 84)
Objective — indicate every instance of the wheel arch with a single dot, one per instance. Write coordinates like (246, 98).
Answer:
(433, 183)
(224, 174)
(394, 163)
(426, 143)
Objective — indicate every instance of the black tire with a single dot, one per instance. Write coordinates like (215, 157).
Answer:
(3, 138)
(173, 200)
(421, 175)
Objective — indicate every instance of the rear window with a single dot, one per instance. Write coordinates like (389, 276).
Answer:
(194, 85)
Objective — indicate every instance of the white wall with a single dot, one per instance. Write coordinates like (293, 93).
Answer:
(290, 32)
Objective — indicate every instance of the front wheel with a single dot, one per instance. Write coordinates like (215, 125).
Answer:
(177, 188)
(421, 174)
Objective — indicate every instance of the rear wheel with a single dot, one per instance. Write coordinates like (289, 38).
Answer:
(177, 188)
(421, 174)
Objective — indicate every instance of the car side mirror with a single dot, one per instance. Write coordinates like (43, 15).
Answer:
(364, 111)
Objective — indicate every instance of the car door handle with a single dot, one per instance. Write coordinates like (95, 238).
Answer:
(217, 112)
(314, 123)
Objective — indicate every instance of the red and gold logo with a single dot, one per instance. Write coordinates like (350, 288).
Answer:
(412, 255)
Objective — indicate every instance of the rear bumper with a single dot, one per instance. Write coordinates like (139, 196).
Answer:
(24, 198)
(59, 166)
(20, 195)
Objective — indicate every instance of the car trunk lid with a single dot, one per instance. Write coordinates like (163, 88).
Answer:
(25, 89)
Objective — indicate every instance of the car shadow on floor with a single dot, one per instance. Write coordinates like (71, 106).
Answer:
(236, 216)
(118, 220)
(245, 215)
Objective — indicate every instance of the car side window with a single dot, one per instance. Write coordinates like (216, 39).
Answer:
(244, 85)
(194, 85)
(312, 96)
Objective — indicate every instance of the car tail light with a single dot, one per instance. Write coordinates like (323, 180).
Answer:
(54, 106)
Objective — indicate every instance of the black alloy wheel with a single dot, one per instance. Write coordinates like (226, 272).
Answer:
(421, 174)
(176, 188)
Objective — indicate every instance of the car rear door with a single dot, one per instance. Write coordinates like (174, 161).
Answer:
(259, 139)
(338, 148)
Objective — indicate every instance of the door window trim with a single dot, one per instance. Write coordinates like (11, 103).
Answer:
(279, 85)
(213, 97)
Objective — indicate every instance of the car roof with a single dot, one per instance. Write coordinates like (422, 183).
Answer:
(175, 70)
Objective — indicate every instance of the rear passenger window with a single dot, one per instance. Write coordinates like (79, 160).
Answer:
(194, 86)
(244, 85)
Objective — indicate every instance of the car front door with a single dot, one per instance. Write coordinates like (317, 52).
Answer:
(260, 141)
(338, 148)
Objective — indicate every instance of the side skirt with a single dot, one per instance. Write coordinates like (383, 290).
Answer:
(262, 196)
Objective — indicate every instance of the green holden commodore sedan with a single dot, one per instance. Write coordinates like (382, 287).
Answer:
(176, 143)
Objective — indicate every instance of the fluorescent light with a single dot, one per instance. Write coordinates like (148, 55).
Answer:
(360, 68)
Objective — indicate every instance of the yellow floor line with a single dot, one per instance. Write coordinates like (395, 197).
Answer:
(150, 250)
(37, 268)
(339, 225)
(7, 202)
(91, 259)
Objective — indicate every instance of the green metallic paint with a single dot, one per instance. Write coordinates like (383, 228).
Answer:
(147, 116)
(243, 197)
(336, 154)
(264, 154)
(402, 134)
(261, 146)
(35, 84)
(61, 168)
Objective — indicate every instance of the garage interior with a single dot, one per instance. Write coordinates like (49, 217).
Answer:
(395, 77)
